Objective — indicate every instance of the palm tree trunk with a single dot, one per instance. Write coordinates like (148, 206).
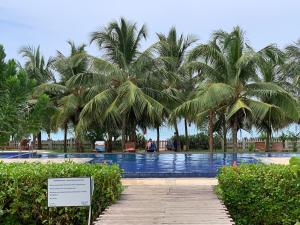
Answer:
(268, 145)
(39, 137)
(234, 134)
(132, 136)
(77, 144)
(123, 133)
(34, 141)
(49, 135)
(109, 142)
(224, 136)
(177, 137)
(157, 138)
(210, 131)
(65, 136)
(187, 140)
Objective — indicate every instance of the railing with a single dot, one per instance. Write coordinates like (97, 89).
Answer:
(260, 144)
(51, 144)
(244, 144)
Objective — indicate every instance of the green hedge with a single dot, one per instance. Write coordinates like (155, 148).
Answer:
(261, 194)
(200, 141)
(23, 192)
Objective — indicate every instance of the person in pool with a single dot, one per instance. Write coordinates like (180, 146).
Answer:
(150, 146)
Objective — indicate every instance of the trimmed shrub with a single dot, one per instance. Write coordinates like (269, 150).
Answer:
(23, 192)
(261, 194)
(200, 141)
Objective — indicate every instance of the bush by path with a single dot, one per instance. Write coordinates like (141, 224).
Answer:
(261, 194)
(23, 192)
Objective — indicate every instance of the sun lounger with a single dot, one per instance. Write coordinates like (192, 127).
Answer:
(100, 146)
(129, 147)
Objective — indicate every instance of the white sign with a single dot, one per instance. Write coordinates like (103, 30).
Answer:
(69, 192)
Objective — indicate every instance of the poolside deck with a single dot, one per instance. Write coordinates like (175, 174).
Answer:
(275, 160)
(167, 204)
(45, 160)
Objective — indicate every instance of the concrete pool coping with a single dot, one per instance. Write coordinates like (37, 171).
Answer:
(169, 181)
(274, 160)
(45, 160)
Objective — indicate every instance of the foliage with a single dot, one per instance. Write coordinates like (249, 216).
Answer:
(15, 89)
(123, 90)
(251, 147)
(177, 80)
(23, 195)
(261, 194)
(36, 66)
(200, 141)
(140, 141)
(293, 137)
(295, 164)
(230, 82)
(40, 115)
(224, 83)
(94, 134)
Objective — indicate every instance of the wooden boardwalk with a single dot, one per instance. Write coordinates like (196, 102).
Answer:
(166, 204)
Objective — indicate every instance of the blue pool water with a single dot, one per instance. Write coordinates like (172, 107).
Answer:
(162, 165)
(11, 155)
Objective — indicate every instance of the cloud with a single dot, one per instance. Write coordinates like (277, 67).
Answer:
(14, 24)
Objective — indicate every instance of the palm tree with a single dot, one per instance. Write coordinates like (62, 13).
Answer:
(177, 80)
(271, 67)
(292, 65)
(123, 91)
(69, 100)
(39, 69)
(228, 65)
(293, 53)
(36, 66)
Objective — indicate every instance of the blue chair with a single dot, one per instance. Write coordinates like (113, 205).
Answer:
(100, 146)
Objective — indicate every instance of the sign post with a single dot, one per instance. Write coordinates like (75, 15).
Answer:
(75, 191)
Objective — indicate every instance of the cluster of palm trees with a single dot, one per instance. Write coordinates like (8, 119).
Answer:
(224, 83)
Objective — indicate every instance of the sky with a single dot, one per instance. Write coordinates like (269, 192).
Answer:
(50, 23)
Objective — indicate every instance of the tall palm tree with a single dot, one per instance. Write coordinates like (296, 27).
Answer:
(39, 69)
(69, 100)
(35, 64)
(172, 49)
(271, 67)
(123, 91)
(228, 65)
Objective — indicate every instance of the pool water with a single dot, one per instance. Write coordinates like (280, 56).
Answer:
(162, 165)
(11, 155)
(173, 165)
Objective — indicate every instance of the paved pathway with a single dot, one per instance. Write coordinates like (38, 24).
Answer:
(166, 204)
(274, 160)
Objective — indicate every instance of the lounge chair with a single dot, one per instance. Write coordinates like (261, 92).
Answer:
(260, 145)
(24, 144)
(100, 146)
(129, 147)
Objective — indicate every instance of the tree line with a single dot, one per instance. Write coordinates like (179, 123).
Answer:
(223, 84)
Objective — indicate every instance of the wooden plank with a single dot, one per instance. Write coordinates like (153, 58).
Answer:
(147, 205)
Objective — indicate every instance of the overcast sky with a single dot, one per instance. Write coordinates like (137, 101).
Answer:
(50, 23)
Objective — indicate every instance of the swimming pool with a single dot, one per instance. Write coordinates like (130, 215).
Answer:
(162, 165)
(173, 165)
(11, 155)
